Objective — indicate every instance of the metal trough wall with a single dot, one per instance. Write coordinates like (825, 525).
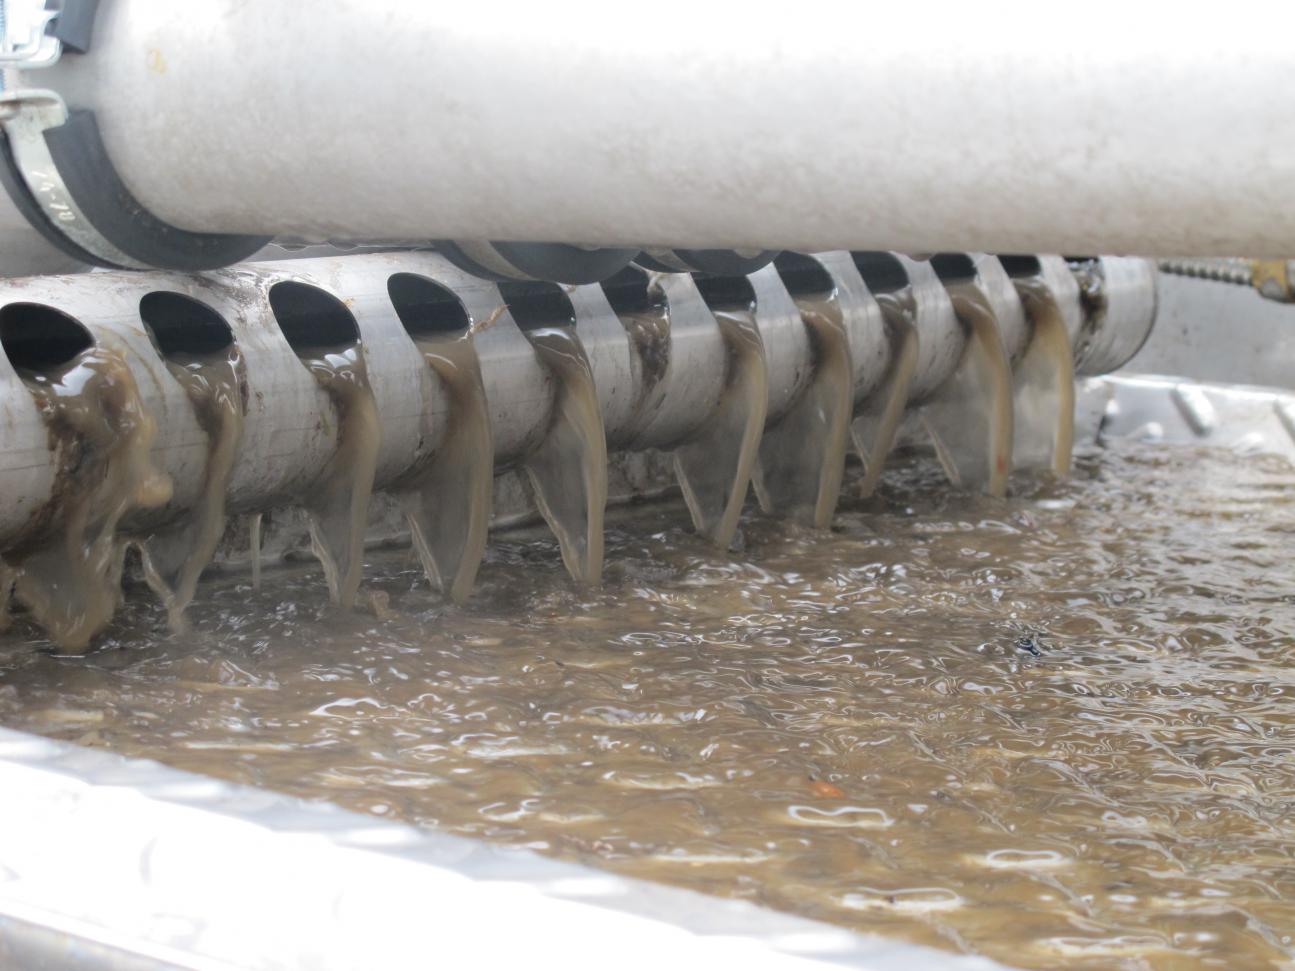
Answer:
(126, 864)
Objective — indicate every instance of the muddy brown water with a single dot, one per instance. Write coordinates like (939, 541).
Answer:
(1058, 730)
(100, 434)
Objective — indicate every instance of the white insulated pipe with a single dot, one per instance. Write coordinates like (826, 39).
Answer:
(917, 127)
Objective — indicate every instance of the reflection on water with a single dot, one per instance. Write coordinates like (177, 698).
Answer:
(1057, 730)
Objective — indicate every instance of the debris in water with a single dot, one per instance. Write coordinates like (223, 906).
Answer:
(1029, 644)
(825, 790)
(378, 603)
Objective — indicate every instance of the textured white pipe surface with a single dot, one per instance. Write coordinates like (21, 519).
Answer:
(1013, 127)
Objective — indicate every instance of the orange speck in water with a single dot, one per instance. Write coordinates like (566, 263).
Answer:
(825, 790)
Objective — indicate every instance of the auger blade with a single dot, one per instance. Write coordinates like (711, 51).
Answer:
(338, 504)
(714, 469)
(174, 558)
(449, 510)
(969, 419)
(801, 461)
(874, 429)
(568, 471)
(1044, 385)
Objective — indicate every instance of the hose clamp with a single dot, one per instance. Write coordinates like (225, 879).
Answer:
(57, 170)
(26, 116)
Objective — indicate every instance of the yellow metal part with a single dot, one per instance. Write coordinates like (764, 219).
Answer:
(1274, 279)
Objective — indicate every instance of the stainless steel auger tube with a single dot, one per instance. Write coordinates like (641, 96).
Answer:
(1119, 298)
(290, 428)
(557, 125)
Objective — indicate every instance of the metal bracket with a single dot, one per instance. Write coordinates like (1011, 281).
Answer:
(40, 48)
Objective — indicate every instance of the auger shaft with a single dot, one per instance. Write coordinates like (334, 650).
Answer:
(291, 431)
(167, 401)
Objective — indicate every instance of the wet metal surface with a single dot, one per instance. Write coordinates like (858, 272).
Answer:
(1056, 730)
